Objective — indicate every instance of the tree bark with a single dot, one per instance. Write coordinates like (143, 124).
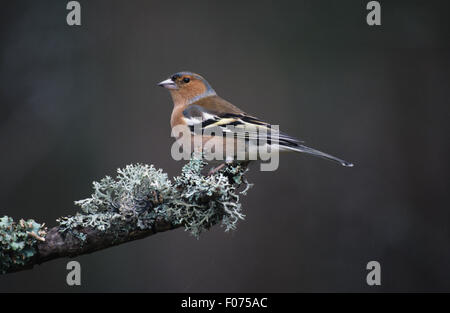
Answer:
(59, 244)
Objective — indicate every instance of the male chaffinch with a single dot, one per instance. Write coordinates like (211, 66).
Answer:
(196, 104)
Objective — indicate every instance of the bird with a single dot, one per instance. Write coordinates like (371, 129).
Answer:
(197, 106)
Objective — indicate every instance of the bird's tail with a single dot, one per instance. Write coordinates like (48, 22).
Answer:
(308, 150)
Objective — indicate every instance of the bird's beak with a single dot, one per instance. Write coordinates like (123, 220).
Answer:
(168, 83)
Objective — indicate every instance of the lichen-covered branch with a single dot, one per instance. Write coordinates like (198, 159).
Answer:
(139, 202)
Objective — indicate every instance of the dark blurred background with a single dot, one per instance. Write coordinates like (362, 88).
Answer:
(79, 102)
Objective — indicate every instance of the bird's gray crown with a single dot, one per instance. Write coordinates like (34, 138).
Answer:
(209, 90)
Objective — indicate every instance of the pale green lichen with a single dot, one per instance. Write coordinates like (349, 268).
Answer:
(201, 201)
(134, 200)
(17, 241)
(140, 194)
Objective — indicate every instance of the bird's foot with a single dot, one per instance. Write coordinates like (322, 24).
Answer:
(216, 169)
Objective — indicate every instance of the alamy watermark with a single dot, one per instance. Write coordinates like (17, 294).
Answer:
(374, 16)
(73, 278)
(373, 278)
(228, 144)
(74, 15)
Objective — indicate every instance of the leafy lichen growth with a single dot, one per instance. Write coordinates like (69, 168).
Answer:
(17, 241)
(140, 194)
(136, 199)
(202, 201)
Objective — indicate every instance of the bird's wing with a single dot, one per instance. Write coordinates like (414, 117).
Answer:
(209, 114)
(204, 120)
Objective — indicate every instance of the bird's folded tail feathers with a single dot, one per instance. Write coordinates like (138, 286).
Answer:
(308, 150)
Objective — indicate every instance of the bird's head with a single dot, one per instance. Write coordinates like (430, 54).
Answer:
(187, 87)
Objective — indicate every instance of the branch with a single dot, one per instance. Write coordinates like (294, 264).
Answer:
(139, 202)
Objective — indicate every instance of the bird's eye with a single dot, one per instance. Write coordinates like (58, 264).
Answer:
(186, 80)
